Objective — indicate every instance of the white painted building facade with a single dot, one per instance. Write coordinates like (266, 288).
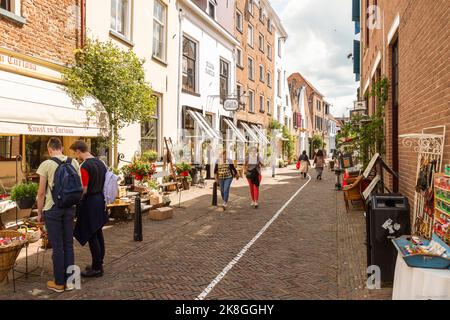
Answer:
(150, 29)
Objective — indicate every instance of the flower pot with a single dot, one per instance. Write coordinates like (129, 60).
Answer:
(26, 203)
(128, 180)
(186, 184)
(184, 173)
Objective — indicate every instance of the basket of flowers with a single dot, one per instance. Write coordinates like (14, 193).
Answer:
(11, 242)
(141, 170)
(183, 169)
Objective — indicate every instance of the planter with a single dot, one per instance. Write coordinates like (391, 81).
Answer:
(26, 203)
(128, 180)
(186, 184)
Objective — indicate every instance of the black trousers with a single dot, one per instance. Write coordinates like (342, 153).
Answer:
(97, 247)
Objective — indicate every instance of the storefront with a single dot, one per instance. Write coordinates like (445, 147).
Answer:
(35, 107)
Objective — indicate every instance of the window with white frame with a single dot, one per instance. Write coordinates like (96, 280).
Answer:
(250, 35)
(250, 6)
(262, 73)
(261, 103)
(159, 30)
(251, 100)
(150, 130)
(261, 42)
(189, 64)
(269, 112)
(224, 80)
(251, 69)
(120, 17)
(269, 52)
(212, 8)
(279, 84)
(239, 21)
(269, 79)
(239, 57)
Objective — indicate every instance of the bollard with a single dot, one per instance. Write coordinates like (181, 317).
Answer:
(214, 195)
(138, 219)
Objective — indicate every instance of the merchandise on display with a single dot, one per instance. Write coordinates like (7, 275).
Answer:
(12, 241)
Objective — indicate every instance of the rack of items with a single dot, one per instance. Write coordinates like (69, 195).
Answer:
(441, 225)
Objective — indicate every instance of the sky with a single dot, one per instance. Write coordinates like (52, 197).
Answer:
(321, 34)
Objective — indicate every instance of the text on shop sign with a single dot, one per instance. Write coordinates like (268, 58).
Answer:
(49, 130)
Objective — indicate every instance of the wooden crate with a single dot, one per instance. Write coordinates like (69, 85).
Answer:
(161, 214)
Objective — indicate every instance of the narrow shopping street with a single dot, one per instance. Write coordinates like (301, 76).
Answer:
(312, 250)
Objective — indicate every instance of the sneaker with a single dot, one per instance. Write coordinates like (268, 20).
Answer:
(51, 285)
(69, 287)
(224, 206)
(253, 204)
(256, 206)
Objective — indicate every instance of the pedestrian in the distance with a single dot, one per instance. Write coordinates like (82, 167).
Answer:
(224, 172)
(319, 163)
(253, 166)
(59, 191)
(91, 213)
(304, 164)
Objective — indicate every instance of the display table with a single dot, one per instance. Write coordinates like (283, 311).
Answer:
(420, 284)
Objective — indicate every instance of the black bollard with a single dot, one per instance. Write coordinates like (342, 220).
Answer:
(138, 219)
(214, 195)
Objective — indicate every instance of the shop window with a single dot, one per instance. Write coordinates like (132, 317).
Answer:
(120, 17)
(10, 147)
(36, 151)
(159, 30)
(224, 80)
(189, 64)
(150, 130)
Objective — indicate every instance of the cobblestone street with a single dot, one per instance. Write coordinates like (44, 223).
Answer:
(312, 250)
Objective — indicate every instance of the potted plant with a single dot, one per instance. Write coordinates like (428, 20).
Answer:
(24, 195)
(183, 170)
(281, 163)
(141, 170)
(150, 156)
(127, 176)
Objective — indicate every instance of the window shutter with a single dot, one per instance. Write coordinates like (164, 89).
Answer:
(356, 8)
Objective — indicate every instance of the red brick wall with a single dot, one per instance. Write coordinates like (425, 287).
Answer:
(49, 33)
(424, 83)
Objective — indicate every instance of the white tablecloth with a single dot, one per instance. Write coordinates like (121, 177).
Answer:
(6, 205)
(419, 283)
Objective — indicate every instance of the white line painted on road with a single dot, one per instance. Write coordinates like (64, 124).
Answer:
(238, 257)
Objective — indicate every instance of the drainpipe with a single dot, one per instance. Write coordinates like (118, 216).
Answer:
(83, 23)
(180, 61)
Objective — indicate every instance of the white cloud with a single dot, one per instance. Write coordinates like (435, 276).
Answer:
(321, 36)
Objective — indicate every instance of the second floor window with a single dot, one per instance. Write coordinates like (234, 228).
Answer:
(120, 17)
(224, 80)
(239, 57)
(159, 30)
(262, 73)
(239, 21)
(189, 64)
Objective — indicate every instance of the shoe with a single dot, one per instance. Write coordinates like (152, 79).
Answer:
(51, 285)
(256, 206)
(92, 274)
(69, 287)
(253, 204)
(89, 268)
(224, 207)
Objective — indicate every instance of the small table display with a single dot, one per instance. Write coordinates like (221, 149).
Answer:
(119, 210)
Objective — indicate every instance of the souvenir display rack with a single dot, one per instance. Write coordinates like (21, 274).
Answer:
(441, 225)
(429, 146)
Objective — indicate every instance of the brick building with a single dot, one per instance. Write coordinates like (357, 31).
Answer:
(255, 61)
(315, 117)
(37, 41)
(407, 41)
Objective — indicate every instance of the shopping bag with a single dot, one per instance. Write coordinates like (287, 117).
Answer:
(298, 165)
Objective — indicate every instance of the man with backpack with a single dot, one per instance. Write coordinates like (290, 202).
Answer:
(91, 213)
(59, 191)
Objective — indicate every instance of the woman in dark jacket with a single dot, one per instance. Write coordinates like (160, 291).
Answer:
(304, 164)
(224, 172)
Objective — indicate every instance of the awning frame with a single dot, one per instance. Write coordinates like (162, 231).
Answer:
(236, 131)
(198, 117)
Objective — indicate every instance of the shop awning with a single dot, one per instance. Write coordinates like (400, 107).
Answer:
(35, 107)
(236, 131)
(250, 132)
(262, 136)
(201, 121)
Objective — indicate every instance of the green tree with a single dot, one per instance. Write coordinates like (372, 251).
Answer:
(317, 142)
(116, 78)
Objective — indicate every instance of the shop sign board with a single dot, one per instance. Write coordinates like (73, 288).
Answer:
(48, 130)
(29, 66)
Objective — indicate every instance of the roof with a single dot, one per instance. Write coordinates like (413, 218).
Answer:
(298, 74)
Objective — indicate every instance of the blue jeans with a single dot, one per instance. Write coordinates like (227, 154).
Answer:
(225, 185)
(59, 224)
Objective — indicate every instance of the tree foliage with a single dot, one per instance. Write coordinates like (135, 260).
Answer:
(116, 78)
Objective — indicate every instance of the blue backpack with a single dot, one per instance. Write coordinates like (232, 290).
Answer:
(67, 189)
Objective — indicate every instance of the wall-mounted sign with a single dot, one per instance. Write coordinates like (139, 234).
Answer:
(210, 69)
(29, 66)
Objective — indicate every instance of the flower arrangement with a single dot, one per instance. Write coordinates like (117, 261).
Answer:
(183, 169)
(140, 170)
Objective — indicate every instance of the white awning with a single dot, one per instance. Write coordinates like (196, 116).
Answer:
(253, 136)
(35, 107)
(261, 135)
(201, 121)
(235, 129)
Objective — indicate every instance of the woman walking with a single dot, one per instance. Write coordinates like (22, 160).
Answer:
(319, 163)
(253, 165)
(225, 171)
(304, 164)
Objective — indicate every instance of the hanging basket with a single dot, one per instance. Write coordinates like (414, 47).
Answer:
(9, 254)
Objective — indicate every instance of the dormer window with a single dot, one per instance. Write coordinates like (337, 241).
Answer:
(212, 6)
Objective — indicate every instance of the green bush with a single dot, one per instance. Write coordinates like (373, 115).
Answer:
(150, 156)
(24, 190)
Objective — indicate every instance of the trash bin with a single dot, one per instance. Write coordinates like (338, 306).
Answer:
(388, 218)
